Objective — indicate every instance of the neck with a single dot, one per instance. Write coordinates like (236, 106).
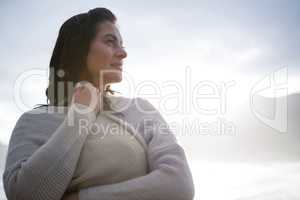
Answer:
(100, 85)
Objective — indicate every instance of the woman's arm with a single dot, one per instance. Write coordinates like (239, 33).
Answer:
(39, 171)
(169, 177)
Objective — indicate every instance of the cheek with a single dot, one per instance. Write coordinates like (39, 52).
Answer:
(99, 57)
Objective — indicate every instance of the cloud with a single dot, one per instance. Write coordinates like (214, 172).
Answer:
(250, 37)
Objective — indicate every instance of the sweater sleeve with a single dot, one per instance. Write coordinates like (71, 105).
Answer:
(38, 170)
(169, 175)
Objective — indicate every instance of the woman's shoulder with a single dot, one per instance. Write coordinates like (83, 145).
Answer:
(37, 124)
(41, 115)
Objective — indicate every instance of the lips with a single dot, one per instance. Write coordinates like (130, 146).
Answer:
(117, 66)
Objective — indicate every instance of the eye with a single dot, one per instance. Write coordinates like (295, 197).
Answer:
(113, 42)
(110, 42)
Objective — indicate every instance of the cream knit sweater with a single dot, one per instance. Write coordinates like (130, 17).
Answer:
(47, 156)
(111, 154)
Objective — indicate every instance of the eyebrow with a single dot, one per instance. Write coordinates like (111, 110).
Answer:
(114, 37)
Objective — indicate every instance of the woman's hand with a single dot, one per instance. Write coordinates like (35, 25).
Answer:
(71, 196)
(85, 93)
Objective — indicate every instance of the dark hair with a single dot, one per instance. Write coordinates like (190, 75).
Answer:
(70, 53)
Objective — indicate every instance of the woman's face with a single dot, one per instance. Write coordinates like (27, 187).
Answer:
(105, 56)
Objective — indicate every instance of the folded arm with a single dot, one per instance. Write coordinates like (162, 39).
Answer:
(169, 175)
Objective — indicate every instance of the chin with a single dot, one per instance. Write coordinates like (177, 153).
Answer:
(114, 78)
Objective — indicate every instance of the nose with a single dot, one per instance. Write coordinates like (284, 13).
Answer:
(121, 53)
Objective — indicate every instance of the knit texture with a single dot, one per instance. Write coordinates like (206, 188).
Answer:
(111, 154)
(45, 149)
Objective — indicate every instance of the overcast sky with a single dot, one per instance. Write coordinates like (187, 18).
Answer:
(217, 39)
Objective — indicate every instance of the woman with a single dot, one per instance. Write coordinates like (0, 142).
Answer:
(58, 151)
